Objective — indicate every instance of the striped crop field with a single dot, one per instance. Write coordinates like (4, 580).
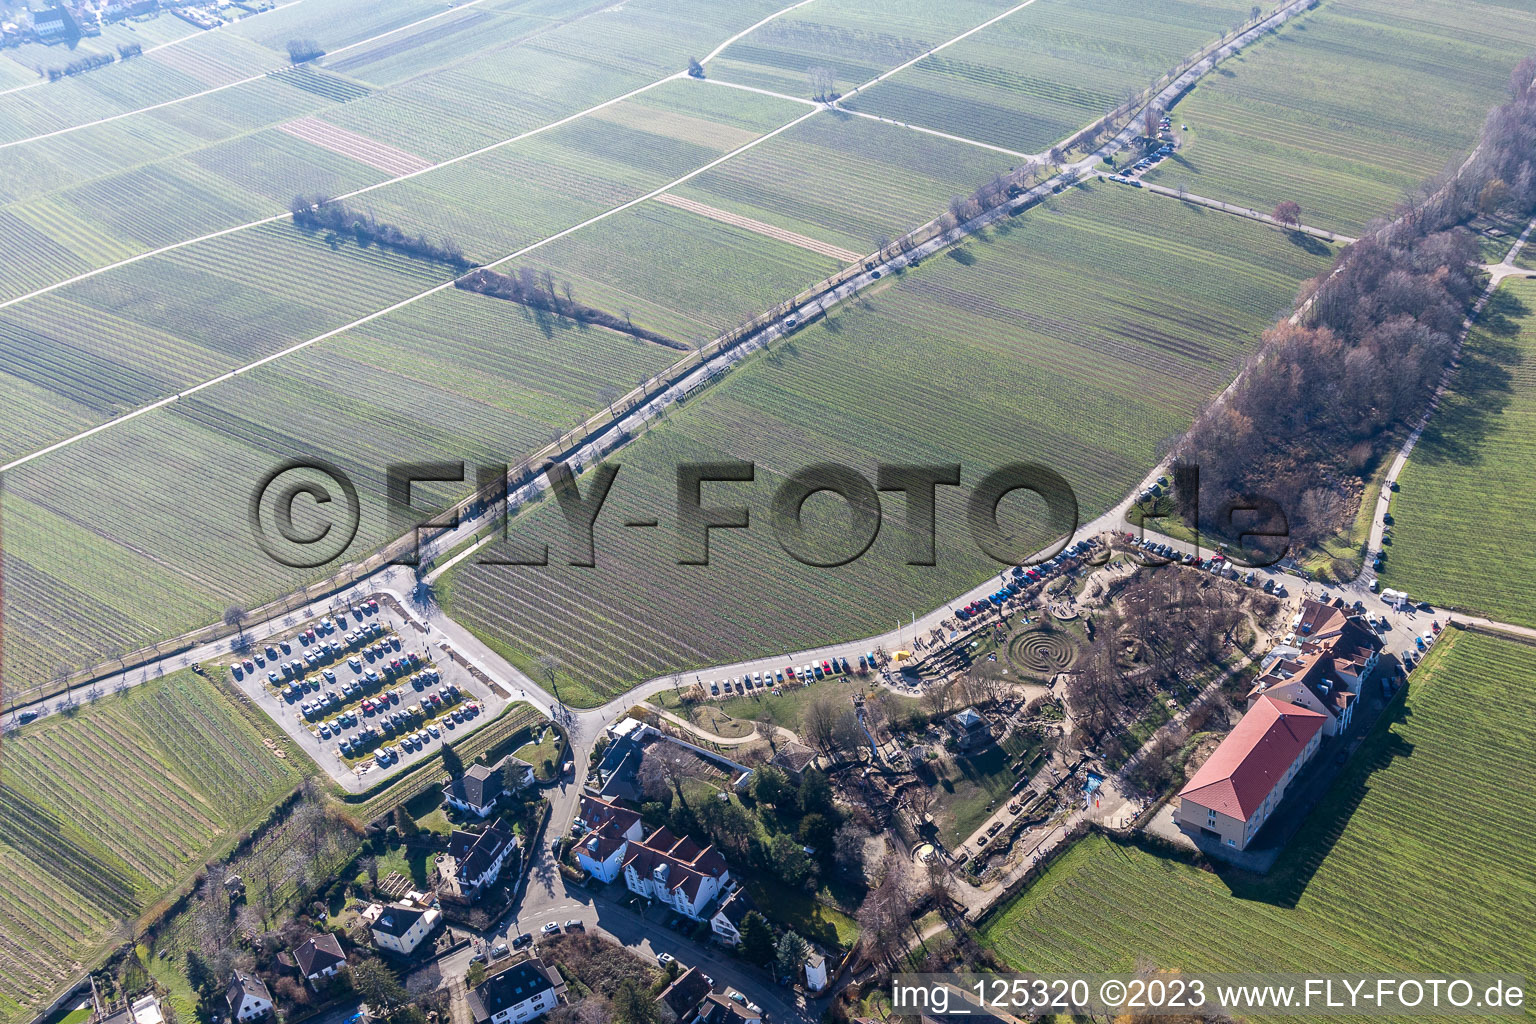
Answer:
(855, 40)
(1348, 107)
(174, 483)
(1400, 869)
(1040, 74)
(1473, 465)
(1080, 335)
(103, 810)
(136, 333)
(649, 261)
(493, 204)
(847, 180)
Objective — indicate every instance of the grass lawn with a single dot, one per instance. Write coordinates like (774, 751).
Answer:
(1079, 335)
(708, 716)
(800, 911)
(1364, 883)
(1473, 466)
(967, 788)
(543, 747)
(1348, 106)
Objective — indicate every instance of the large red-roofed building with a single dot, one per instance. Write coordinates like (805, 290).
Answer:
(1243, 781)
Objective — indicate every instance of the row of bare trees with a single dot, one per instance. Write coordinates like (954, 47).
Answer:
(1320, 400)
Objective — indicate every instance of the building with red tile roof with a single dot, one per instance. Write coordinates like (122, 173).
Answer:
(1243, 781)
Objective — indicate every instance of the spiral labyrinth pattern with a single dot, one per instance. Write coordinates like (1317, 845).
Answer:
(1042, 652)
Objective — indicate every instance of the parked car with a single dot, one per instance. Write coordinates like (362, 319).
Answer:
(550, 929)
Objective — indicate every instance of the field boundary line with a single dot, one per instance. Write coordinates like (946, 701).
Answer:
(286, 215)
(712, 54)
(941, 46)
(763, 228)
(760, 92)
(409, 300)
(530, 133)
(1232, 209)
(936, 133)
(230, 85)
(161, 46)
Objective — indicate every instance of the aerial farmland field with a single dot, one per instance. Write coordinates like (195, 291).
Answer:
(1346, 109)
(105, 810)
(1040, 74)
(179, 478)
(1472, 464)
(854, 40)
(1103, 307)
(1400, 802)
(847, 180)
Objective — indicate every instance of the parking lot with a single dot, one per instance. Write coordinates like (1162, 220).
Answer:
(368, 675)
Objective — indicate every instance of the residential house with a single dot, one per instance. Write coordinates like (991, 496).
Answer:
(1243, 781)
(520, 991)
(474, 860)
(685, 993)
(401, 927)
(477, 790)
(726, 924)
(676, 871)
(247, 997)
(969, 729)
(610, 829)
(1325, 670)
(718, 1009)
(319, 957)
(55, 25)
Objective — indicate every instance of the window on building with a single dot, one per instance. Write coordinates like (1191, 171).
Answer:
(1210, 817)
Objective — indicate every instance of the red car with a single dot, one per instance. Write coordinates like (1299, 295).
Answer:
(373, 606)
(826, 667)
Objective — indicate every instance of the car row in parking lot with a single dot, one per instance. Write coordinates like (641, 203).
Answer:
(1024, 576)
(801, 675)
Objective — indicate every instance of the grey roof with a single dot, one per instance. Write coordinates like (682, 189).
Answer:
(685, 992)
(318, 952)
(475, 851)
(516, 984)
(737, 906)
(480, 785)
(396, 919)
(794, 756)
(241, 985)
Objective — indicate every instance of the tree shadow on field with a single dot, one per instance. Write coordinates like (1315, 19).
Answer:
(1325, 823)
(1309, 244)
(962, 256)
(1481, 390)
